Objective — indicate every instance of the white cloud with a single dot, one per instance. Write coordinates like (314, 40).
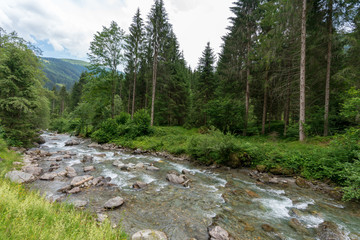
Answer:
(70, 24)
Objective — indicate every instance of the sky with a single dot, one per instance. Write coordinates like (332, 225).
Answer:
(65, 28)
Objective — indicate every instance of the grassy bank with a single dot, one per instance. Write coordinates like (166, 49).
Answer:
(336, 159)
(26, 215)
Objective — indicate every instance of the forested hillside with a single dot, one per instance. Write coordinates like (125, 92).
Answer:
(62, 71)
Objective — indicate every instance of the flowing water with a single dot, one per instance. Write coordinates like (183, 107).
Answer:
(228, 198)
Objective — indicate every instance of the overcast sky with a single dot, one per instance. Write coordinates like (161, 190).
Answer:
(65, 28)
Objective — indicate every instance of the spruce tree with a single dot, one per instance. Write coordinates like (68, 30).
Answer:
(134, 53)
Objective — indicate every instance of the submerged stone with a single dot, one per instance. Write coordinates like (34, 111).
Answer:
(149, 235)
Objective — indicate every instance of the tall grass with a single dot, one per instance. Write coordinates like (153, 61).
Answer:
(26, 215)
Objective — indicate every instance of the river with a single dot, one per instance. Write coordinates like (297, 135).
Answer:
(228, 198)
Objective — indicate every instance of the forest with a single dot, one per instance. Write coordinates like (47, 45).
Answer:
(283, 93)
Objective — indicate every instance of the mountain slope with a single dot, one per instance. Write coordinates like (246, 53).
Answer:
(62, 71)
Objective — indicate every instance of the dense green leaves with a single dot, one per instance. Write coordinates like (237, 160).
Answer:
(24, 107)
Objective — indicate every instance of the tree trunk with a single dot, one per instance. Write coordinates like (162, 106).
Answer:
(302, 73)
(265, 104)
(129, 97)
(113, 96)
(247, 96)
(133, 100)
(328, 70)
(287, 108)
(153, 87)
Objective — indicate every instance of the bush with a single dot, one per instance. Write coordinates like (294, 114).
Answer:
(106, 132)
(142, 121)
(122, 118)
(214, 146)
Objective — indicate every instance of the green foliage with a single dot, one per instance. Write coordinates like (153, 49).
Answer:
(213, 147)
(23, 105)
(107, 131)
(351, 106)
(122, 118)
(142, 122)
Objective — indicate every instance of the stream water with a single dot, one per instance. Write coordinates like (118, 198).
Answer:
(228, 198)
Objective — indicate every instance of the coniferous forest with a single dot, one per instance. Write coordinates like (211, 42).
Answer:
(282, 96)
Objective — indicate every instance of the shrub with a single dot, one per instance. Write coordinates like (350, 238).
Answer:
(108, 131)
(142, 121)
(122, 118)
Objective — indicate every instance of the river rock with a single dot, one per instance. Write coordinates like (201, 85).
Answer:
(34, 170)
(139, 185)
(57, 158)
(20, 177)
(267, 228)
(114, 203)
(94, 144)
(40, 140)
(218, 233)
(329, 231)
(139, 166)
(49, 176)
(65, 189)
(89, 168)
(302, 183)
(252, 194)
(177, 179)
(70, 172)
(77, 181)
(80, 203)
(74, 190)
(298, 226)
(152, 168)
(101, 217)
(72, 143)
(149, 235)
(187, 172)
(118, 163)
(87, 158)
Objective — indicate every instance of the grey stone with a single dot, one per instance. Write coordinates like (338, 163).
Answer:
(34, 170)
(20, 177)
(70, 172)
(72, 143)
(139, 185)
(152, 168)
(74, 190)
(89, 168)
(114, 203)
(148, 234)
(330, 231)
(49, 176)
(80, 203)
(218, 233)
(177, 179)
(77, 181)
(101, 217)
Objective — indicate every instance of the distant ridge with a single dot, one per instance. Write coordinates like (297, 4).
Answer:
(63, 72)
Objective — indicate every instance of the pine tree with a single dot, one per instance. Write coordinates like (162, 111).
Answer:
(135, 48)
(206, 84)
(157, 30)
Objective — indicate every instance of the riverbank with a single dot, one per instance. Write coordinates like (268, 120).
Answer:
(334, 160)
(26, 215)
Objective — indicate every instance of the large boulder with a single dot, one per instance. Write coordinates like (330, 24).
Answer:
(177, 179)
(49, 176)
(330, 231)
(218, 233)
(149, 235)
(34, 170)
(114, 203)
(79, 180)
(72, 143)
(20, 177)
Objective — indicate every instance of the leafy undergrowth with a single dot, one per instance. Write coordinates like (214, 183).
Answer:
(26, 215)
